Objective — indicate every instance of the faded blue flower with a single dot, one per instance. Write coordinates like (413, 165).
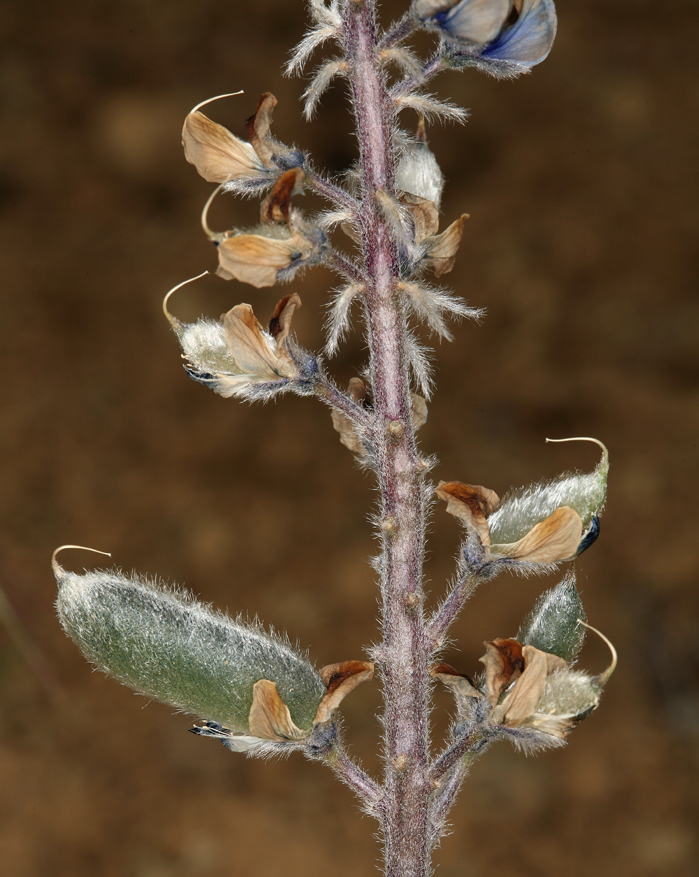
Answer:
(471, 21)
(503, 37)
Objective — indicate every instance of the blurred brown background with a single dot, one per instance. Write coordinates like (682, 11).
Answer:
(580, 182)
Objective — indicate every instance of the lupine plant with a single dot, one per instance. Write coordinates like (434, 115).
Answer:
(251, 688)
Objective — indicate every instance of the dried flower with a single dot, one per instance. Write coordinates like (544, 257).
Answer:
(221, 157)
(236, 356)
(531, 689)
(272, 251)
(218, 155)
(250, 686)
(541, 524)
(260, 259)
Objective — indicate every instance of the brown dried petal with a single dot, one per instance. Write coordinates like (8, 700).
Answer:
(441, 249)
(461, 686)
(503, 662)
(553, 540)
(340, 680)
(270, 718)
(423, 213)
(258, 127)
(521, 702)
(418, 411)
(280, 321)
(275, 207)
(357, 391)
(217, 154)
(250, 347)
(471, 504)
(256, 260)
(348, 436)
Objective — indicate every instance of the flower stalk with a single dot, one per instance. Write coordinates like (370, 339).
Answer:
(403, 655)
(251, 689)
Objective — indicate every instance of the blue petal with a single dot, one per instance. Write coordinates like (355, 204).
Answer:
(477, 21)
(528, 41)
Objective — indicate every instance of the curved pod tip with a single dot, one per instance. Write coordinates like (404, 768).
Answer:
(56, 566)
(603, 677)
(172, 320)
(212, 99)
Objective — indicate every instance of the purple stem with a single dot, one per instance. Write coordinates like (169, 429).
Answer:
(353, 776)
(430, 69)
(447, 613)
(329, 393)
(404, 652)
(345, 267)
(335, 194)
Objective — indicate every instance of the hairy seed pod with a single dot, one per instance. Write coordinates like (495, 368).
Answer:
(165, 644)
(553, 624)
(585, 492)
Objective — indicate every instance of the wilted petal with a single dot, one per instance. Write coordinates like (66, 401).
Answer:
(528, 41)
(217, 154)
(424, 215)
(441, 249)
(521, 702)
(256, 352)
(466, 696)
(257, 259)
(340, 679)
(258, 128)
(471, 504)
(418, 410)
(270, 718)
(553, 540)
(276, 206)
(504, 663)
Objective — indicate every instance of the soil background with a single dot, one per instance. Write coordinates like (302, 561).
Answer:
(582, 247)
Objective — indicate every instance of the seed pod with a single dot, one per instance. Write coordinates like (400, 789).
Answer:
(584, 492)
(418, 172)
(553, 624)
(166, 645)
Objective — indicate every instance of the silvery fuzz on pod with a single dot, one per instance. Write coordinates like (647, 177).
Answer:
(249, 685)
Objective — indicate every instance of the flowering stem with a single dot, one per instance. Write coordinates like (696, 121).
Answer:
(430, 69)
(447, 613)
(353, 776)
(335, 194)
(329, 393)
(404, 652)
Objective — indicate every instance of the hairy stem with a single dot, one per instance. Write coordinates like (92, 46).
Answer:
(404, 651)
(353, 776)
(448, 612)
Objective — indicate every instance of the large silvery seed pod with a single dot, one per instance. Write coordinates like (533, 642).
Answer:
(168, 646)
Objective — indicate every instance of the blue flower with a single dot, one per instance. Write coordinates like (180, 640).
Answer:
(471, 21)
(528, 40)
(504, 37)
